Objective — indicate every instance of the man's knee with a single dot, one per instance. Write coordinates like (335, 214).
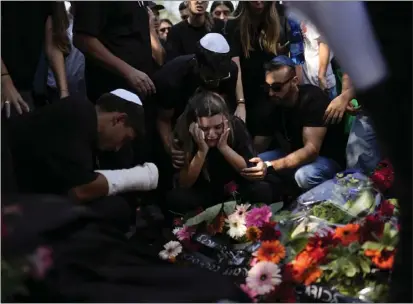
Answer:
(314, 174)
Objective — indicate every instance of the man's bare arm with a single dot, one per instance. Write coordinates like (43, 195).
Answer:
(56, 59)
(85, 193)
(164, 124)
(158, 52)
(313, 139)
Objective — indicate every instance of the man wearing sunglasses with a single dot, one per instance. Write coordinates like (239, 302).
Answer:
(310, 151)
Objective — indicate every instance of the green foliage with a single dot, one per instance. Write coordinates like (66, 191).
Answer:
(209, 214)
(330, 213)
(276, 207)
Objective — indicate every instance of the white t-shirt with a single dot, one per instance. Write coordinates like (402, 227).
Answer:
(311, 53)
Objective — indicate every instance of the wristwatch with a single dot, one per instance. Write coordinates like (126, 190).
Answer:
(268, 164)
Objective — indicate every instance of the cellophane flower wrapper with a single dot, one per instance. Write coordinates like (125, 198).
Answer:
(350, 195)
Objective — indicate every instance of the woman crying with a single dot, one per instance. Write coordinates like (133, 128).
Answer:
(217, 148)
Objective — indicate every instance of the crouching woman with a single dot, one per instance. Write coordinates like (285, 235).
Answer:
(217, 147)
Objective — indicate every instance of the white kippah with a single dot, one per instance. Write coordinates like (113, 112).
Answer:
(129, 96)
(215, 42)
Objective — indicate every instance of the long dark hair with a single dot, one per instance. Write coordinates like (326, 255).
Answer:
(60, 22)
(202, 104)
(270, 32)
(228, 4)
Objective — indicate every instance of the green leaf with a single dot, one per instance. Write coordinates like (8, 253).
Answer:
(298, 244)
(350, 269)
(354, 247)
(372, 246)
(229, 207)
(276, 207)
(365, 265)
(281, 216)
(208, 215)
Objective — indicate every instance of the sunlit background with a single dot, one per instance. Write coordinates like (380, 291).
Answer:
(171, 10)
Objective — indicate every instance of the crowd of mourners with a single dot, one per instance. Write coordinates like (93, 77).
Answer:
(114, 121)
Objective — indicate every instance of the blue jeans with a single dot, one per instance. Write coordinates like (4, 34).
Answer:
(362, 150)
(310, 175)
(332, 92)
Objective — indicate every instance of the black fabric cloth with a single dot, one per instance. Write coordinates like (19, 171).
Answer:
(23, 26)
(183, 38)
(178, 80)
(92, 262)
(54, 147)
(309, 112)
(123, 28)
(253, 77)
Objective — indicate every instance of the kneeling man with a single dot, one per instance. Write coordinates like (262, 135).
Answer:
(55, 149)
(312, 151)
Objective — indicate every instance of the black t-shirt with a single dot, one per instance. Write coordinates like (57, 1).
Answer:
(54, 148)
(309, 112)
(183, 38)
(252, 68)
(122, 27)
(177, 81)
(219, 171)
(23, 26)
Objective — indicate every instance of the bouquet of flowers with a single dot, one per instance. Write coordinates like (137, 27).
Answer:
(353, 260)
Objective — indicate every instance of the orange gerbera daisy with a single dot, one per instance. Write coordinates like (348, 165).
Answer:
(271, 251)
(253, 234)
(347, 234)
(304, 269)
(217, 226)
(382, 259)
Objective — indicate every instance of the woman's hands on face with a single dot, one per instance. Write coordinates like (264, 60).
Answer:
(199, 137)
(223, 140)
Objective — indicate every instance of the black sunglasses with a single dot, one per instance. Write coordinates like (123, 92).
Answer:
(276, 87)
(162, 30)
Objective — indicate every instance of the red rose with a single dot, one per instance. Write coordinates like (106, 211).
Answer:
(386, 208)
(371, 229)
(231, 188)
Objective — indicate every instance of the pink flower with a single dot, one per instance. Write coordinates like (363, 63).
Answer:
(184, 233)
(42, 261)
(258, 216)
(263, 277)
(253, 262)
(252, 294)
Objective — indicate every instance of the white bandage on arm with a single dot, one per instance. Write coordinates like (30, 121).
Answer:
(139, 178)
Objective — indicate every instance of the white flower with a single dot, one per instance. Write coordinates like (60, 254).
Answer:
(237, 227)
(172, 249)
(241, 210)
(176, 230)
(263, 277)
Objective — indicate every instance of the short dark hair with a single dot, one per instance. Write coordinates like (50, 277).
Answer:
(272, 66)
(166, 20)
(136, 117)
(218, 3)
(182, 6)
